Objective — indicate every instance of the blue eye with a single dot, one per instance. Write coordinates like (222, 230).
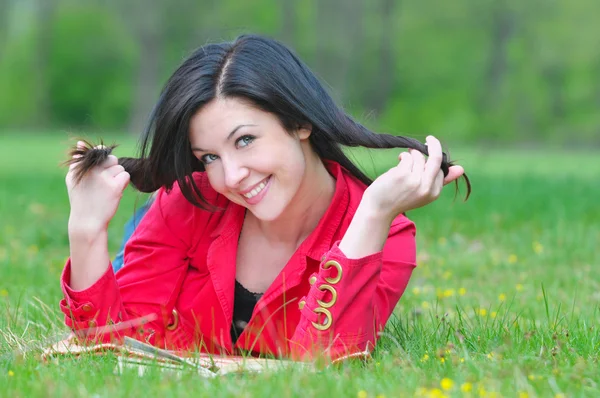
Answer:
(208, 158)
(245, 140)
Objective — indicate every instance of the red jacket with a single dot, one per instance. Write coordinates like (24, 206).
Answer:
(180, 266)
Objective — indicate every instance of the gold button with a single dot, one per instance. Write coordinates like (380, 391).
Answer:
(333, 292)
(86, 307)
(312, 280)
(301, 304)
(338, 267)
(328, 319)
(173, 325)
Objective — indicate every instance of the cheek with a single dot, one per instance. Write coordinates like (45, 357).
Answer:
(216, 179)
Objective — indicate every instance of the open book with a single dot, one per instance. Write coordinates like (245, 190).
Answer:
(135, 354)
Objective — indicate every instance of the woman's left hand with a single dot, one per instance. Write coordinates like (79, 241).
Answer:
(413, 183)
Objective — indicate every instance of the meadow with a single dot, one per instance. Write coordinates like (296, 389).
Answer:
(504, 301)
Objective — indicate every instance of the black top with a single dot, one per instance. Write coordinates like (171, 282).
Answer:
(244, 302)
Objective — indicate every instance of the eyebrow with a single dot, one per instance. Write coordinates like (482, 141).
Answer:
(228, 137)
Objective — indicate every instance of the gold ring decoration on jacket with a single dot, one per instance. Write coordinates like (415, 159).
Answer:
(329, 320)
(338, 267)
(173, 325)
(330, 303)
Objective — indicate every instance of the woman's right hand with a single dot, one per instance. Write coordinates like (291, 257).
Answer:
(95, 199)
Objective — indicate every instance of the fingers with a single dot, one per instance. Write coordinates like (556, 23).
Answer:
(434, 161)
(418, 160)
(122, 179)
(114, 170)
(454, 172)
(406, 162)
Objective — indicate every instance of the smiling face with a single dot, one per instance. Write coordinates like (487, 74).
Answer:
(249, 157)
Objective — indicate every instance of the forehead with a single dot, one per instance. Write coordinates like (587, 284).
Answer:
(221, 116)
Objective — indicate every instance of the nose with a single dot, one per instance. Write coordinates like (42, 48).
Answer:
(234, 173)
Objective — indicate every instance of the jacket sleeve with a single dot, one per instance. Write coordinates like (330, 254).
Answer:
(156, 261)
(350, 300)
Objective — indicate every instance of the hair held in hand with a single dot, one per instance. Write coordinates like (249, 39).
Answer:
(261, 72)
(89, 156)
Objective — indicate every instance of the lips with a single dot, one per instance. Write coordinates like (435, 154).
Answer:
(258, 192)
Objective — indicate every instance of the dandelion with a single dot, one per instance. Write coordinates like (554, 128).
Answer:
(462, 291)
(447, 384)
(416, 291)
(425, 305)
(519, 287)
(482, 392)
(491, 355)
(493, 314)
(531, 377)
(442, 360)
(523, 394)
(537, 247)
(11, 373)
(466, 387)
(482, 312)
(436, 392)
(560, 395)
(502, 297)
(448, 292)
(362, 394)
(462, 360)
(425, 358)
(3, 293)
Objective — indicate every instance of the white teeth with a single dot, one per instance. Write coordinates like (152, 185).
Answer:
(255, 191)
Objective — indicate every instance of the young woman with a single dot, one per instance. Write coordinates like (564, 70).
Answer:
(263, 237)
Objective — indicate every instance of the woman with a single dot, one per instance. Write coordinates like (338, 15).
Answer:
(263, 236)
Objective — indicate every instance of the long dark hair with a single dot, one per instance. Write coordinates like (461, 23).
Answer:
(268, 75)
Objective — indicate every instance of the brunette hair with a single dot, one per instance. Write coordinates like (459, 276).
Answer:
(263, 72)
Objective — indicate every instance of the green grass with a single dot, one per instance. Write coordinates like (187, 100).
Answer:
(505, 299)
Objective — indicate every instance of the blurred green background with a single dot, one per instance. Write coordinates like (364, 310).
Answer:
(488, 72)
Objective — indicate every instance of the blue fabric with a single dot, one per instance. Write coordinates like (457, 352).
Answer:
(130, 226)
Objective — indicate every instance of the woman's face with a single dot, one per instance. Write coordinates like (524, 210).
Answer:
(248, 156)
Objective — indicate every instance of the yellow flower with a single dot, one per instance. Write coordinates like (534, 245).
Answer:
(446, 384)
(436, 392)
(493, 314)
(425, 358)
(3, 293)
(462, 360)
(380, 396)
(482, 392)
(502, 297)
(482, 312)
(512, 259)
(442, 360)
(11, 373)
(425, 305)
(537, 247)
(466, 387)
(462, 291)
(491, 355)
(531, 377)
(560, 395)
(448, 292)
(416, 291)
(361, 394)
(519, 287)
(523, 394)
